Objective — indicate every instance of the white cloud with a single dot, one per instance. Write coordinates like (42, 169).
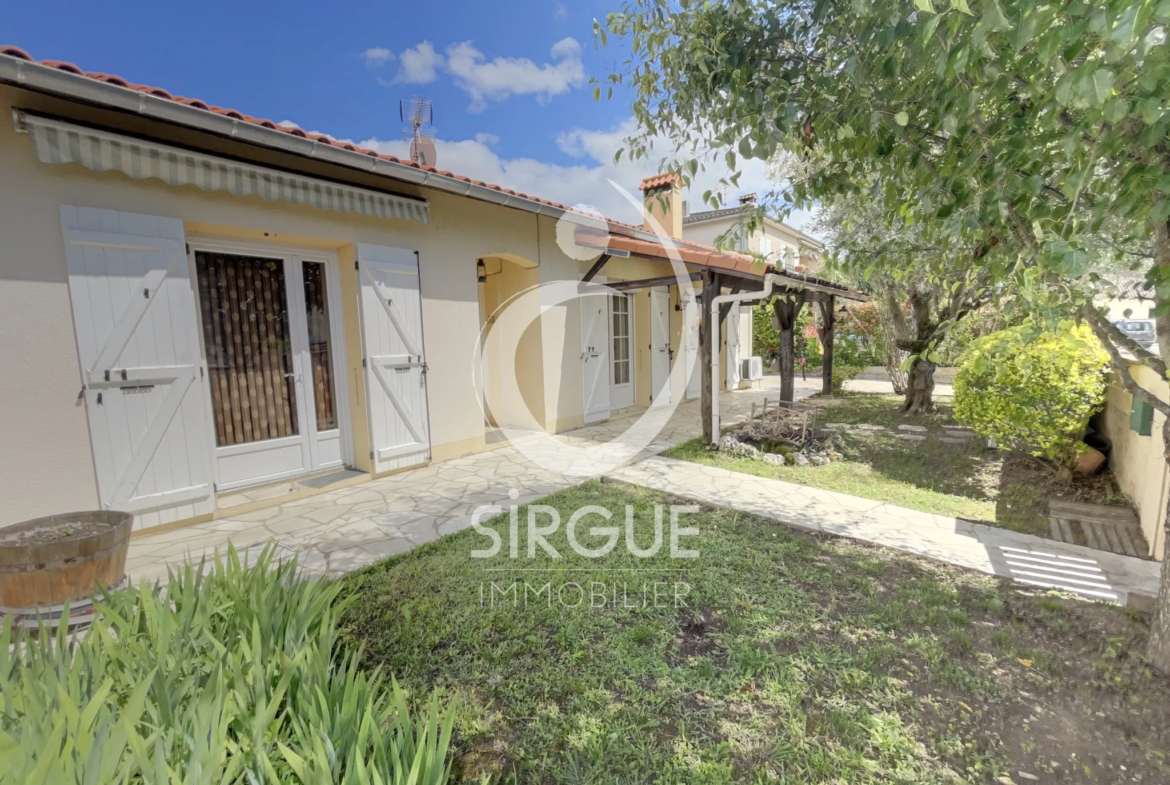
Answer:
(487, 139)
(502, 77)
(419, 64)
(583, 183)
(377, 56)
(560, 11)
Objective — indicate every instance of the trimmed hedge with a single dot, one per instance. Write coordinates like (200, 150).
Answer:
(1033, 391)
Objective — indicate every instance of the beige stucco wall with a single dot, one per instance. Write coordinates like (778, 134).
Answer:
(47, 465)
(1137, 461)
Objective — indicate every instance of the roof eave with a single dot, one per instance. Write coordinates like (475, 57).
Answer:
(35, 76)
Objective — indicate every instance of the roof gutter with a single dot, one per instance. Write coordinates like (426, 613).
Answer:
(46, 79)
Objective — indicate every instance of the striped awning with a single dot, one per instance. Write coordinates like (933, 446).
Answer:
(59, 142)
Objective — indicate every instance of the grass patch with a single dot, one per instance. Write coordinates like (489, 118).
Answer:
(961, 480)
(792, 658)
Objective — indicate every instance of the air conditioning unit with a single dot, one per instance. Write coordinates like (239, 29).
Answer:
(751, 368)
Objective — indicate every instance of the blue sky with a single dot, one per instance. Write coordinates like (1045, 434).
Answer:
(509, 81)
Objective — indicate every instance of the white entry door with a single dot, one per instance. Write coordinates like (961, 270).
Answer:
(692, 316)
(134, 316)
(394, 357)
(595, 371)
(621, 327)
(660, 351)
(273, 376)
(733, 348)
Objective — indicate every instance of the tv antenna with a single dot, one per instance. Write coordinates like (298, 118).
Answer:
(415, 114)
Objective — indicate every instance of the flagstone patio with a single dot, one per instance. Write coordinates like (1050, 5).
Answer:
(348, 528)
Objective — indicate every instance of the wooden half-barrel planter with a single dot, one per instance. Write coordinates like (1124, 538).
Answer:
(48, 562)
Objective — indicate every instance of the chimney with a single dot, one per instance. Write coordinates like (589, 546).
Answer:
(662, 198)
(748, 199)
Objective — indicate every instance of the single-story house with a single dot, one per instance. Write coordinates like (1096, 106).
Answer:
(196, 301)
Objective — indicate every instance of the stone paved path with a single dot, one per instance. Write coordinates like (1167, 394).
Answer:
(348, 528)
(1022, 557)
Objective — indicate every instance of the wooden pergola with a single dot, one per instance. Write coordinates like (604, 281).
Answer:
(736, 273)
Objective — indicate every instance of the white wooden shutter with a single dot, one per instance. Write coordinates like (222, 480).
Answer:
(595, 341)
(394, 357)
(733, 347)
(134, 315)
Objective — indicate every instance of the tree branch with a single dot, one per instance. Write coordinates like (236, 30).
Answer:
(1122, 368)
(1102, 326)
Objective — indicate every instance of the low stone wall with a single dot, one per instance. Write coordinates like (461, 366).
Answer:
(877, 373)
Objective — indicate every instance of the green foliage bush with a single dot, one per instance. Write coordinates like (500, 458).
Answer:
(766, 338)
(1033, 391)
(843, 372)
(235, 676)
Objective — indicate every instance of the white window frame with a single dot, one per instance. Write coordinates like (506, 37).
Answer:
(336, 326)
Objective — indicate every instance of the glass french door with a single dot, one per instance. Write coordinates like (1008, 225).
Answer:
(269, 356)
(622, 370)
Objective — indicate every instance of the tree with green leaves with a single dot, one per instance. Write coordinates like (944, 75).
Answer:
(921, 288)
(1012, 131)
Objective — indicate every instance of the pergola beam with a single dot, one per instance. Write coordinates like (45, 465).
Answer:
(647, 283)
(596, 268)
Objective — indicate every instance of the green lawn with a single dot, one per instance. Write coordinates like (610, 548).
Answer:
(960, 480)
(793, 658)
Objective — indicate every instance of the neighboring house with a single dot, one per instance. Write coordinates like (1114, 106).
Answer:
(195, 301)
(779, 243)
(785, 247)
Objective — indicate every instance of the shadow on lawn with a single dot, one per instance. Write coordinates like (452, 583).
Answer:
(961, 469)
(806, 658)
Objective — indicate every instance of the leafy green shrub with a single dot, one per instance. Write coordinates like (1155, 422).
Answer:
(235, 676)
(1033, 391)
(843, 372)
(766, 338)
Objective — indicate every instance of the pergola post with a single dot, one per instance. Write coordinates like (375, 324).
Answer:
(828, 330)
(787, 311)
(712, 285)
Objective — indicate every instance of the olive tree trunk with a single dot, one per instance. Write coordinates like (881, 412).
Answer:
(920, 387)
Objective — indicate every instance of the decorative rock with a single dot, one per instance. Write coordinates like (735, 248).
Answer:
(960, 433)
(868, 427)
(733, 446)
(836, 426)
(773, 458)
(913, 428)
(800, 459)
(911, 437)
(818, 460)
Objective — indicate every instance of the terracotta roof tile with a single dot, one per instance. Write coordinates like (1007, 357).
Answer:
(657, 181)
(690, 251)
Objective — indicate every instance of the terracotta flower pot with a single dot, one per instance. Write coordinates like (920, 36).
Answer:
(1089, 462)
